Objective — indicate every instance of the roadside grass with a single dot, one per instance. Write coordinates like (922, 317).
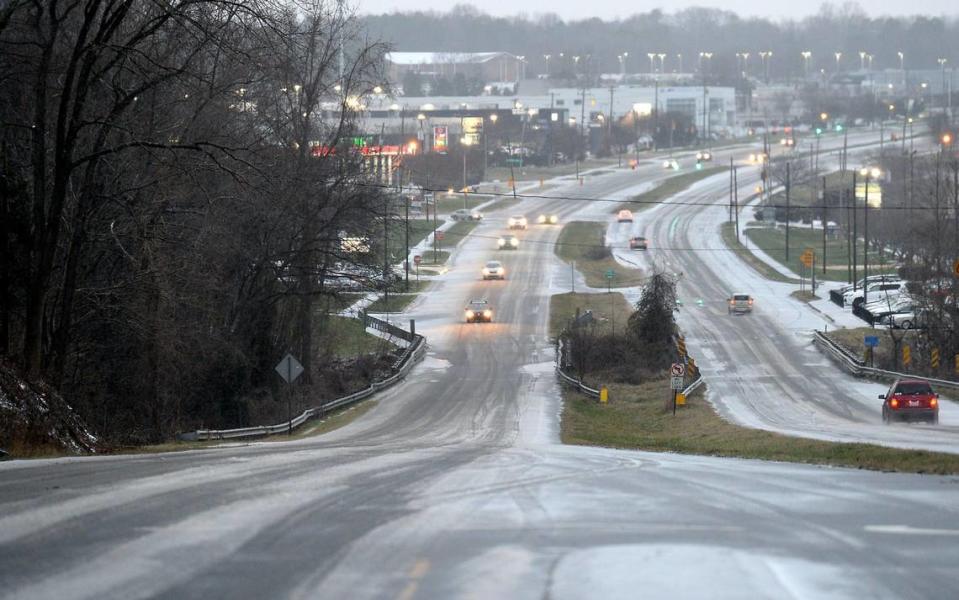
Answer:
(804, 296)
(419, 230)
(457, 232)
(853, 340)
(582, 242)
(772, 241)
(728, 231)
(395, 303)
(400, 286)
(348, 337)
(669, 187)
(527, 173)
(431, 259)
(637, 418)
(334, 304)
(503, 203)
(609, 310)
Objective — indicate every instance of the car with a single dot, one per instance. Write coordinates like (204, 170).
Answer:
(903, 320)
(462, 214)
(638, 243)
(545, 219)
(625, 216)
(704, 155)
(910, 400)
(878, 309)
(479, 311)
(875, 291)
(494, 269)
(670, 163)
(516, 222)
(508, 242)
(740, 303)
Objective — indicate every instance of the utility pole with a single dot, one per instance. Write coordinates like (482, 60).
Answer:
(736, 200)
(609, 121)
(788, 185)
(825, 226)
(855, 233)
(865, 243)
(656, 114)
(731, 189)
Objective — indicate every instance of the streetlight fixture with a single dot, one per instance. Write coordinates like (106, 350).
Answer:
(902, 61)
(862, 60)
(838, 58)
(652, 57)
(805, 57)
(680, 57)
(662, 62)
(765, 55)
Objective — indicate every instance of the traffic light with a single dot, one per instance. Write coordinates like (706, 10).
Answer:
(946, 139)
(819, 131)
(838, 127)
(699, 166)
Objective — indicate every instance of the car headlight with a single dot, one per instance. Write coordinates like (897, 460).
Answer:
(487, 313)
(553, 219)
(501, 243)
(485, 271)
(469, 314)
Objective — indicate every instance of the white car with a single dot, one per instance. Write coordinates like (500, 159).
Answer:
(873, 291)
(670, 163)
(545, 219)
(463, 214)
(494, 269)
(704, 155)
(517, 222)
(624, 216)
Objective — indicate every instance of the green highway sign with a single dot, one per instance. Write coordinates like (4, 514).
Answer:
(610, 273)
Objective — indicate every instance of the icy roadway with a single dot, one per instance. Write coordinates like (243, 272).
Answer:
(455, 484)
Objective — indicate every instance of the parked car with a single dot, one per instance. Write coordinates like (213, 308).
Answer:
(494, 269)
(625, 216)
(876, 310)
(516, 222)
(740, 303)
(462, 214)
(638, 243)
(910, 400)
(904, 320)
(873, 290)
(479, 311)
(545, 219)
(508, 242)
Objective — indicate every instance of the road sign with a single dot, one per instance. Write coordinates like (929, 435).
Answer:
(417, 259)
(289, 368)
(906, 356)
(871, 341)
(677, 370)
(807, 257)
(440, 235)
(934, 358)
(676, 383)
(610, 273)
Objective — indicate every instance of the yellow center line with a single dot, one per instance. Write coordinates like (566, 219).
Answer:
(420, 568)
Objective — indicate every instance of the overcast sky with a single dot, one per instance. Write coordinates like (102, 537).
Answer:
(609, 9)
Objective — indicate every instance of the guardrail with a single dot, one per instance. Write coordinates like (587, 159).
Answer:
(576, 383)
(410, 356)
(857, 366)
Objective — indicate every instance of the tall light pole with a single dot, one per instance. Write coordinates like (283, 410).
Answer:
(869, 57)
(652, 57)
(662, 62)
(465, 143)
(902, 67)
(862, 60)
(680, 57)
(765, 55)
(838, 58)
(942, 68)
(547, 57)
(874, 173)
(704, 56)
(805, 62)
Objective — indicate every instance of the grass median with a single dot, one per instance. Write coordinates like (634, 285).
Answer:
(609, 310)
(393, 304)
(668, 188)
(582, 243)
(637, 418)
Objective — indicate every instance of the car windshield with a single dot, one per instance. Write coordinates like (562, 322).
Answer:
(913, 388)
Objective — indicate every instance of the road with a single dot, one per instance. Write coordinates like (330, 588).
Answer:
(762, 369)
(455, 486)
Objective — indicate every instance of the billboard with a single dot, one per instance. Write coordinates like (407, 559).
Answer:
(472, 129)
(875, 193)
(440, 139)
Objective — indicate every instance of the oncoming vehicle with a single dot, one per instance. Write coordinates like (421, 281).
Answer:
(479, 311)
(625, 216)
(494, 270)
(508, 242)
(670, 163)
(908, 400)
(740, 303)
(704, 155)
(516, 222)
(548, 219)
(638, 243)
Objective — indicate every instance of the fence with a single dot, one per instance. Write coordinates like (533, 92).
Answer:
(411, 355)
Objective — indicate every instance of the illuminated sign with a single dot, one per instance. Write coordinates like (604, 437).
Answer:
(440, 139)
(875, 193)
(472, 129)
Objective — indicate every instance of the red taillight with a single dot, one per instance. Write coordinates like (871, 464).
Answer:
(894, 403)
(933, 403)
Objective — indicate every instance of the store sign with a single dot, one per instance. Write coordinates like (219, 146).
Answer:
(472, 129)
(440, 139)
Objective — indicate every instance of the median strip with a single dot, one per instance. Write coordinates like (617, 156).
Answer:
(583, 243)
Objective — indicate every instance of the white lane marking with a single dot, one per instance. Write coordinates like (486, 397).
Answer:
(907, 530)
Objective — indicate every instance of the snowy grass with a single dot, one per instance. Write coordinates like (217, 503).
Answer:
(450, 202)
(670, 187)
(395, 303)
(640, 417)
(729, 238)
(582, 242)
(562, 308)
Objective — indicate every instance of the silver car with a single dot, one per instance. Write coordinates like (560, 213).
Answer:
(740, 303)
